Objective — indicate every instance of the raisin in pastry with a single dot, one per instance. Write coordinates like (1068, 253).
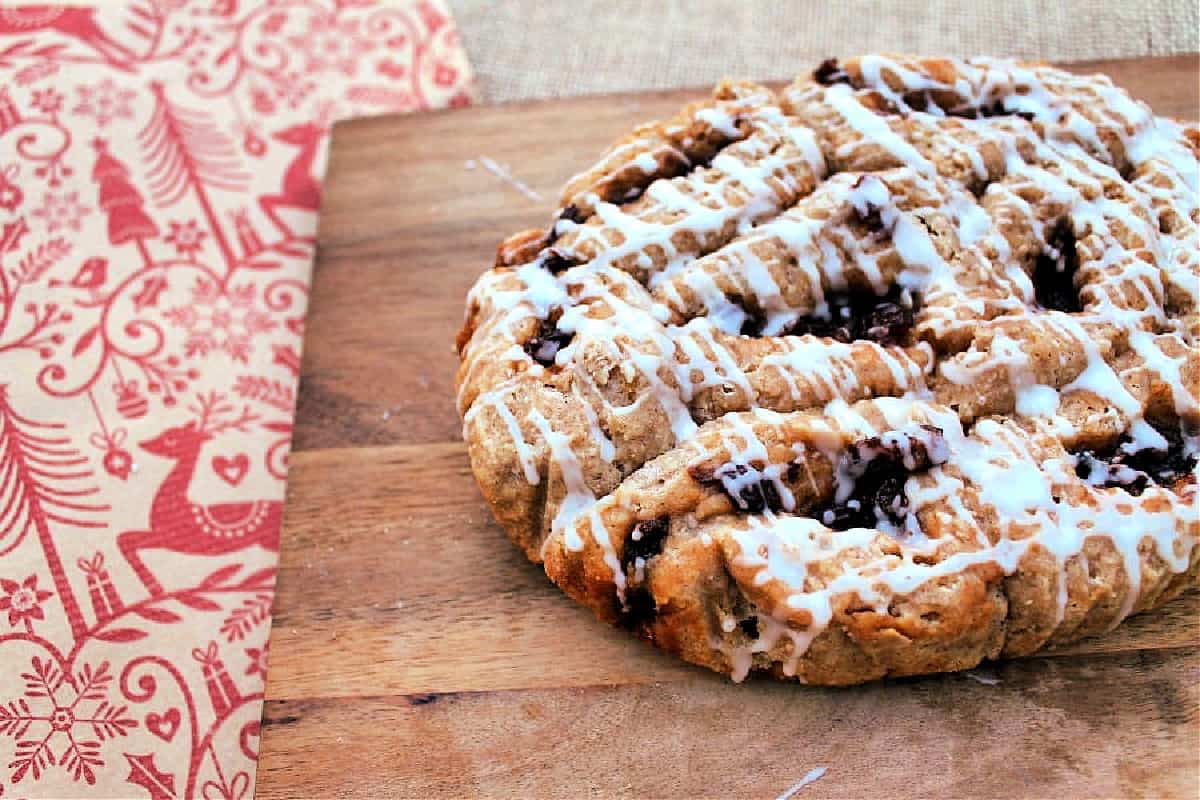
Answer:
(887, 373)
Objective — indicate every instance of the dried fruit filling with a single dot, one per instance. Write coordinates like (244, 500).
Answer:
(1054, 273)
(853, 315)
(1133, 470)
(872, 474)
(543, 346)
(644, 543)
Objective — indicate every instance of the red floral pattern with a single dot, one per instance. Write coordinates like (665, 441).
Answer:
(160, 172)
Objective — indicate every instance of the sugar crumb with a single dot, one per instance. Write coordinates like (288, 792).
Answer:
(501, 172)
(982, 677)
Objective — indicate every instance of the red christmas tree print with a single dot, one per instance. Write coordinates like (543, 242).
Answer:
(121, 201)
(41, 487)
(186, 150)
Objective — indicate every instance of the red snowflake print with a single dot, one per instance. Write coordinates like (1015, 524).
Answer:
(221, 321)
(62, 211)
(105, 102)
(331, 44)
(187, 237)
(57, 715)
(258, 660)
(47, 101)
(23, 601)
(293, 88)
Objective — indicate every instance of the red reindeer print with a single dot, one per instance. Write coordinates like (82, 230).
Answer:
(78, 23)
(300, 189)
(181, 526)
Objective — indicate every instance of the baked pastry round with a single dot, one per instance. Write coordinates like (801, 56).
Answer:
(885, 374)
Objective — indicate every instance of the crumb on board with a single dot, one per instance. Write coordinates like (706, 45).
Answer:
(501, 172)
(986, 678)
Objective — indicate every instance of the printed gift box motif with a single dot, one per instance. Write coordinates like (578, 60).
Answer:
(160, 166)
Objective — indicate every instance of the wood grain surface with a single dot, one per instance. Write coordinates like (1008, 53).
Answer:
(415, 653)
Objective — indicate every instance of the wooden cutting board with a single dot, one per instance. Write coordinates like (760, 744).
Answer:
(415, 653)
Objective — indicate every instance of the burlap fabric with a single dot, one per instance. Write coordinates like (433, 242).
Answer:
(556, 48)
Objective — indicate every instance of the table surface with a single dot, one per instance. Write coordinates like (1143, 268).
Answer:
(526, 49)
(416, 653)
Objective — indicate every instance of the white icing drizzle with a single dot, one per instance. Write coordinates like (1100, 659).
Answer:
(875, 129)
(495, 401)
(579, 498)
(1025, 494)
(607, 450)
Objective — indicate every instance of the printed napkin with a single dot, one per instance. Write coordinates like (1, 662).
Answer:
(160, 166)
